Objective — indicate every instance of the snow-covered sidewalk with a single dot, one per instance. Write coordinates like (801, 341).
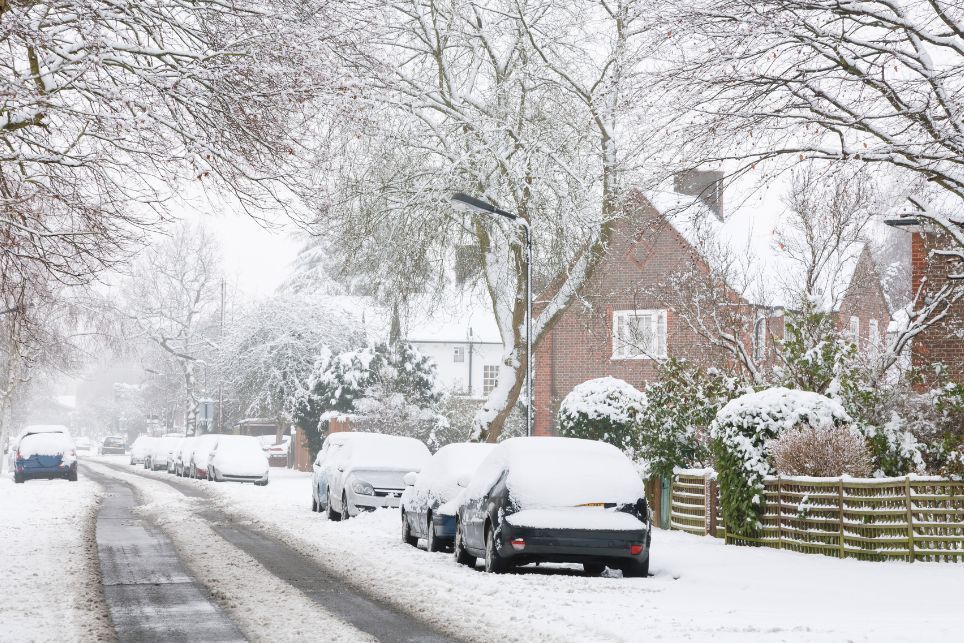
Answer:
(701, 589)
(49, 578)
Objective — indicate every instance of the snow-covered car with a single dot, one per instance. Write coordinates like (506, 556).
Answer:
(45, 451)
(160, 451)
(182, 460)
(325, 467)
(113, 445)
(173, 454)
(555, 500)
(82, 444)
(141, 449)
(369, 473)
(202, 453)
(238, 458)
(428, 502)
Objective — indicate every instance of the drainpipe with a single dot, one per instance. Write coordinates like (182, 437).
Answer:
(470, 361)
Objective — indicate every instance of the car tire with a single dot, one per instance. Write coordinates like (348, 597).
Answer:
(314, 504)
(636, 569)
(494, 563)
(431, 542)
(462, 557)
(407, 536)
(332, 514)
(261, 484)
(72, 476)
(344, 515)
(593, 569)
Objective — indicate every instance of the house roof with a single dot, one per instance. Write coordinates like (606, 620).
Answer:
(749, 244)
(456, 316)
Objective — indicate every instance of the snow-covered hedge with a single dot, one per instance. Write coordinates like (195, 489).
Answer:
(603, 409)
(741, 434)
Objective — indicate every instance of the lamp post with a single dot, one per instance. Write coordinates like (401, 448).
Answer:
(466, 203)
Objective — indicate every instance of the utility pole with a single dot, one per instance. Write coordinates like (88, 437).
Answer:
(221, 365)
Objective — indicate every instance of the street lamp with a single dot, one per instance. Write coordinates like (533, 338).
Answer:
(467, 203)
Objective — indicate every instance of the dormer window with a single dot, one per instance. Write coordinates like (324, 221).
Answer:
(706, 185)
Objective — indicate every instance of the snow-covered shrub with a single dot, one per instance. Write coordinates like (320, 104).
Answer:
(954, 464)
(603, 409)
(895, 449)
(823, 450)
(742, 432)
(674, 425)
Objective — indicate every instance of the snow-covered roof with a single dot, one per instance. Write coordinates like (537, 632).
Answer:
(750, 240)
(457, 316)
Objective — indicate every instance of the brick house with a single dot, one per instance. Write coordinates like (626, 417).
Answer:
(648, 250)
(943, 343)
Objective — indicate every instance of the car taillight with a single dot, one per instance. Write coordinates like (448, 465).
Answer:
(19, 457)
(518, 544)
(73, 453)
(635, 550)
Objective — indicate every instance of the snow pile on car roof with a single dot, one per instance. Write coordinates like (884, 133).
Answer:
(548, 473)
(440, 476)
(49, 443)
(379, 451)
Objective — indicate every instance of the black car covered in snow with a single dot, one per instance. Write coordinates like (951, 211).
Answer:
(547, 499)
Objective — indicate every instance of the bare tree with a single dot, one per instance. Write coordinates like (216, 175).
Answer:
(172, 290)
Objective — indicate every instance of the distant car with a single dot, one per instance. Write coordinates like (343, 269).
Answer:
(113, 445)
(141, 448)
(428, 507)
(325, 467)
(82, 444)
(160, 451)
(238, 458)
(278, 453)
(369, 473)
(201, 453)
(555, 500)
(182, 461)
(44, 452)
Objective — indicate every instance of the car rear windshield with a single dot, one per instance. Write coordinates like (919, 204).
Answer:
(44, 444)
(573, 478)
(113, 442)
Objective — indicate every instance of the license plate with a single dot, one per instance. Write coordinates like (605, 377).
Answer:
(592, 504)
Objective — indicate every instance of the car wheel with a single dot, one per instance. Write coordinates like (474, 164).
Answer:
(593, 569)
(332, 514)
(462, 557)
(494, 563)
(407, 536)
(431, 542)
(344, 507)
(636, 569)
(72, 476)
(314, 504)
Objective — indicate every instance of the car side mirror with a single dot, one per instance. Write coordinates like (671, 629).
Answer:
(463, 481)
(341, 467)
(410, 478)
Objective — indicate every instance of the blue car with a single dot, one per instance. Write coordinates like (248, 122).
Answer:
(428, 503)
(45, 452)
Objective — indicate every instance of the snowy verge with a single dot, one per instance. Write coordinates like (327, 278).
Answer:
(49, 567)
(264, 607)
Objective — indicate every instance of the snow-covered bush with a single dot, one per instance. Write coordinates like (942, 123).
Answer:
(742, 432)
(823, 450)
(895, 449)
(674, 425)
(603, 409)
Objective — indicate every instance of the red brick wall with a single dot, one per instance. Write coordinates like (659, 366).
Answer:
(865, 300)
(942, 343)
(644, 250)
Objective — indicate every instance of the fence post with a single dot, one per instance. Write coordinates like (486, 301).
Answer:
(779, 511)
(841, 516)
(709, 504)
(910, 520)
(664, 502)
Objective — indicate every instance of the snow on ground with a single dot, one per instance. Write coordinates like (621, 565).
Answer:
(700, 590)
(264, 607)
(49, 573)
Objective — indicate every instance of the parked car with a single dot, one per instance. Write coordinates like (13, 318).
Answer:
(160, 451)
(238, 458)
(44, 452)
(201, 453)
(325, 467)
(113, 445)
(182, 460)
(369, 472)
(141, 449)
(554, 500)
(428, 502)
(173, 453)
(82, 444)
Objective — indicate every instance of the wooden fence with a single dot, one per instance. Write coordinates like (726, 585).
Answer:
(912, 518)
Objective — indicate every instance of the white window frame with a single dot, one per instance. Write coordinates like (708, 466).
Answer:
(855, 327)
(487, 378)
(458, 355)
(873, 333)
(760, 339)
(623, 349)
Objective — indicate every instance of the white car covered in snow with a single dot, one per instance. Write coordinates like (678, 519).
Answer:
(161, 450)
(325, 467)
(370, 473)
(141, 449)
(429, 500)
(201, 453)
(238, 458)
(182, 461)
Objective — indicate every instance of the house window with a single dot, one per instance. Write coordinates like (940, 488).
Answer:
(459, 355)
(639, 334)
(855, 328)
(490, 378)
(760, 339)
(874, 333)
